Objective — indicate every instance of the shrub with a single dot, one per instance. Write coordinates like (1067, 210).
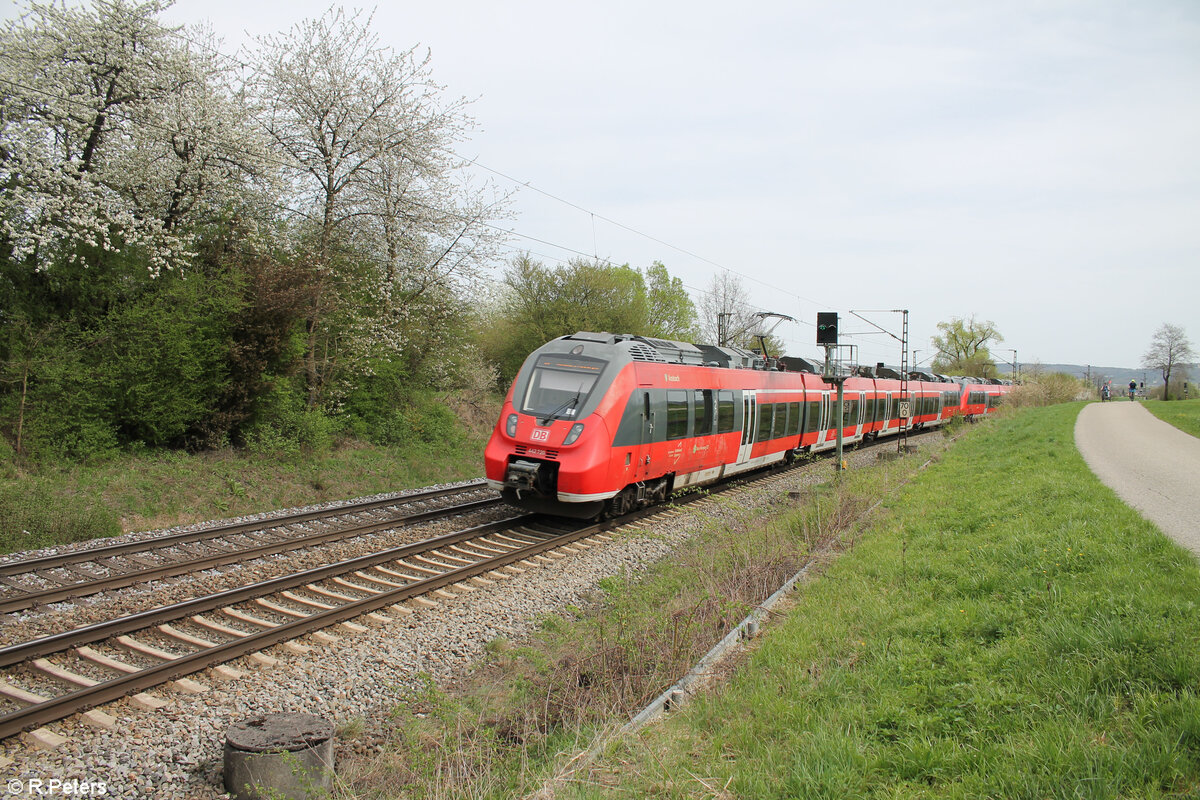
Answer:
(31, 516)
(384, 408)
(1047, 390)
(284, 424)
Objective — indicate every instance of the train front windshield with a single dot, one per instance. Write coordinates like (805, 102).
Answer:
(560, 385)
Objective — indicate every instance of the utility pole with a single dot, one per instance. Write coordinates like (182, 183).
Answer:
(827, 325)
(904, 410)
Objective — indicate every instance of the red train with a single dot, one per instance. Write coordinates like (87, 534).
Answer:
(600, 423)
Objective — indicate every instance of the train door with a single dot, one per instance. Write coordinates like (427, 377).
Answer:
(826, 421)
(647, 436)
(749, 423)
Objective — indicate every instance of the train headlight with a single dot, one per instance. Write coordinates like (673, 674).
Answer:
(510, 426)
(573, 434)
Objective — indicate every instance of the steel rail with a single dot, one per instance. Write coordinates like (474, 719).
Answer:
(106, 691)
(122, 579)
(57, 642)
(106, 551)
(87, 698)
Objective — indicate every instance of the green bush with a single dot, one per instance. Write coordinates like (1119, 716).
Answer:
(163, 359)
(31, 516)
(284, 424)
(66, 413)
(149, 369)
(383, 408)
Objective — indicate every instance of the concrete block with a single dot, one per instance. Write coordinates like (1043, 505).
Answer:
(224, 673)
(188, 686)
(261, 660)
(279, 755)
(98, 719)
(44, 739)
(146, 702)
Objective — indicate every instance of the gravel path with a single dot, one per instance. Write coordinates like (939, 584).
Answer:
(1151, 465)
(176, 752)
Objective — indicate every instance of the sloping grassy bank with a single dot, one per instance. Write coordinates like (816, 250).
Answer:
(513, 723)
(1183, 414)
(1009, 629)
(56, 503)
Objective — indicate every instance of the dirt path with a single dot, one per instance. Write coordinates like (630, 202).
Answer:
(1151, 465)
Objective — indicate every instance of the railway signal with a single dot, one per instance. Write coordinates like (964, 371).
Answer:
(827, 325)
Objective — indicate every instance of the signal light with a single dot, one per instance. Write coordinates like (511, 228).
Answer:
(827, 325)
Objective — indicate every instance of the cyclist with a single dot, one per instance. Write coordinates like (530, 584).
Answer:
(1132, 389)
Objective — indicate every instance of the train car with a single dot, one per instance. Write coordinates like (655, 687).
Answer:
(600, 423)
(981, 397)
(597, 422)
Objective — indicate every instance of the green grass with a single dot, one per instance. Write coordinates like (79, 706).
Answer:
(58, 503)
(1010, 629)
(510, 725)
(1183, 414)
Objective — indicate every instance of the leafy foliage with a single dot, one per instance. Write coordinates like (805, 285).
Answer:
(189, 260)
(540, 303)
(962, 347)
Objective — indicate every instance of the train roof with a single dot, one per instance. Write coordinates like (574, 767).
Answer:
(668, 351)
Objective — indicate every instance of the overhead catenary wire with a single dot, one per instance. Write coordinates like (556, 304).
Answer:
(512, 232)
(270, 160)
(177, 33)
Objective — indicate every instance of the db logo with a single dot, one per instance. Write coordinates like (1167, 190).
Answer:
(540, 434)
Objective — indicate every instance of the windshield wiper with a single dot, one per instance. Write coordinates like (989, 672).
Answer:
(574, 401)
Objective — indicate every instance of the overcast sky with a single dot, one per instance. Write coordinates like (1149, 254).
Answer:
(1036, 164)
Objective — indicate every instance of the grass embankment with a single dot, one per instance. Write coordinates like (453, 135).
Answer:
(1010, 629)
(58, 503)
(512, 725)
(1183, 414)
(1007, 628)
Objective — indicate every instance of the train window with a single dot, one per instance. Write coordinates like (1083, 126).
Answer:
(560, 386)
(703, 399)
(677, 414)
(812, 416)
(794, 419)
(766, 416)
(725, 415)
(869, 410)
(849, 412)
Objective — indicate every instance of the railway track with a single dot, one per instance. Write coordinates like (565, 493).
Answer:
(27, 583)
(56, 676)
(126, 656)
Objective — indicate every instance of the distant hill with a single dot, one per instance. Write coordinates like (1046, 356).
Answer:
(1120, 376)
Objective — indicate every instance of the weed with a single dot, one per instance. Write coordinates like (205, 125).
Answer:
(585, 672)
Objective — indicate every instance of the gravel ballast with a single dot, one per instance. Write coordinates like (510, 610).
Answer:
(356, 680)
